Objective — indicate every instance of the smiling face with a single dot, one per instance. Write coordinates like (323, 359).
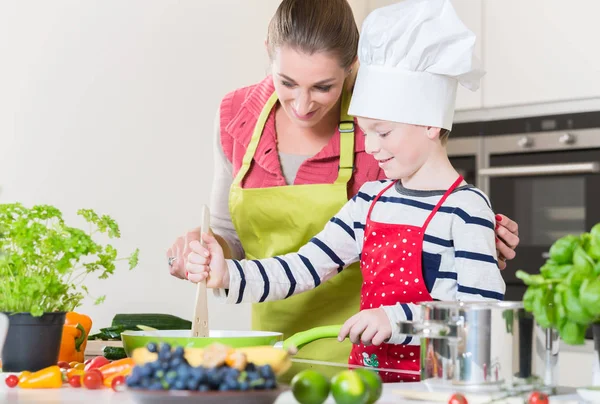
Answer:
(401, 149)
(308, 86)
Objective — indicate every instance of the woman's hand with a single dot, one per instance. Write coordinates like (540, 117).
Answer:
(179, 251)
(207, 263)
(507, 239)
(369, 327)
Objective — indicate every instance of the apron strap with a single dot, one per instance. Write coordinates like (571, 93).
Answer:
(441, 202)
(256, 134)
(377, 198)
(346, 129)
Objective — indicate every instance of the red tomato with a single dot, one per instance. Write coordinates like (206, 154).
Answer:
(92, 380)
(118, 383)
(538, 398)
(12, 381)
(64, 365)
(457, 398)
(75, 381)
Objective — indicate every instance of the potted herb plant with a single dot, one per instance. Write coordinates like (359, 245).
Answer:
(43, 263)
(565, 295)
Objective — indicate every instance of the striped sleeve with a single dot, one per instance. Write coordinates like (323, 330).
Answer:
(324, 256)
(402, 312)
(475, 256)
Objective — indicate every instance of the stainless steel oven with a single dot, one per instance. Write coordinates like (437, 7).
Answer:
(543, 172)
(549, 183)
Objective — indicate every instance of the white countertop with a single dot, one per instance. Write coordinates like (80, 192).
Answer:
(391, 394)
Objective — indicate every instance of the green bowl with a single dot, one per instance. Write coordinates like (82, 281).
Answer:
(234, 339)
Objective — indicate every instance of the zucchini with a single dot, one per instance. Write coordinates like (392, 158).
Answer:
(158, 321)
(113, 353)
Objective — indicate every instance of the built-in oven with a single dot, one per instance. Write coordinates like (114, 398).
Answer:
(543, 172)
(549, 183)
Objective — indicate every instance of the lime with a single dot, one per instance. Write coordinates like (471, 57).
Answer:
(348, 387)
(310, 387)
(373, 382)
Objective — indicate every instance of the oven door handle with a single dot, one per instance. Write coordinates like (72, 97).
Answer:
(546, 169)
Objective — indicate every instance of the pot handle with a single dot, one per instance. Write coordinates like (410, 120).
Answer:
(298, 340)
(3, 330)
(429, 329)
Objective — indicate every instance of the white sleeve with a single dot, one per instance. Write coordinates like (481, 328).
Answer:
(402, 312)
(220, 218)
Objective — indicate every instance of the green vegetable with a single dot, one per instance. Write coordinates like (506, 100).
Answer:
(589, 295)
(565, 295)
(43, 261)
(113, 353)
(154, 320)
(562, 250)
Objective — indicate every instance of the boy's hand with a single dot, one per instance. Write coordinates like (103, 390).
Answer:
(369, 327)
(207, 263)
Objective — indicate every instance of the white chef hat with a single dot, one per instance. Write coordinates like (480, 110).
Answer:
(412, 56)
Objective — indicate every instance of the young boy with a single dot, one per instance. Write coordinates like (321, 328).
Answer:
(424, 235)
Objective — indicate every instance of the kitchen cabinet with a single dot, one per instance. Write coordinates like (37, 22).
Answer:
(540, 51)
(470, 12)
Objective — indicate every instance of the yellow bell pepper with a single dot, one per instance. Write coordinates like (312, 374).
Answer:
(74, 340)
(47, 378)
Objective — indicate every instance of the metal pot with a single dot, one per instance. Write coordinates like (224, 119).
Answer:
(483, 345)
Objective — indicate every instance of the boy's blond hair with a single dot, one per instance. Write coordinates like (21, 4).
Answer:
(444, 133)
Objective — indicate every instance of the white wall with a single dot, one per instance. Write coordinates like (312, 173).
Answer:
(109, 104)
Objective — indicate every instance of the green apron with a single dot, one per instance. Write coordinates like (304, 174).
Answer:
(279, 220)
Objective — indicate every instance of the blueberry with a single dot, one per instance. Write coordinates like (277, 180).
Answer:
(270, 384)
(165, 353)
(132, 380)
(232, 384)
(165, 366)
(171, 376)
(252, 376)
(147, 370)
(192, 384)
(151, 347)
(155, 365)
(165, 346)
(198, 373)
(234, 373)
(179, 385)
(179, 352)
(266, 372)
(156, 385)
(176, 362)
(224, 387)
(244, 386)
(184, 370)
(136, 372)
(145, 382)
(203, 387)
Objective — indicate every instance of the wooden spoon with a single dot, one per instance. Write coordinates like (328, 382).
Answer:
(200, 319)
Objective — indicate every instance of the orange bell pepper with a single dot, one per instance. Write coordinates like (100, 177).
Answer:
(48, 378)
(107, 381)
(74, 340)
(117, 366)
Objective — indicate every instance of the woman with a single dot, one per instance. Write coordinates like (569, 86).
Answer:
(288, 157)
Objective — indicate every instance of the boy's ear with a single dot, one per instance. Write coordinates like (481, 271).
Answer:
(433, 132)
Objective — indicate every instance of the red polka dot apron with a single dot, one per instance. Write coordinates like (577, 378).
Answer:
(391, 266)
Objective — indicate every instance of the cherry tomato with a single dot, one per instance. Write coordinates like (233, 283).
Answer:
(72, 364)
(457, 398)
(63, 365)
(92, 380)
(79, 366)
(538, 398)
(118, 383)
(75, 381)
(12, 381)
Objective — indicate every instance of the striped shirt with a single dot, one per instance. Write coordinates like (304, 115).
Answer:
(459, 252)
